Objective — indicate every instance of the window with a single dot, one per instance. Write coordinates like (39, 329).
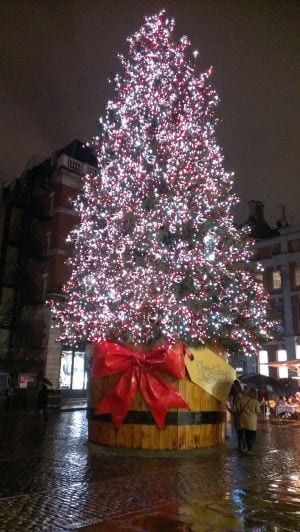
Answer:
(277, 314)
(297, 351)
(281, 355)
(259, 277)
(263, 360)
(263, 253)
(297, 276)
(276, 278)
(276, 250)
(44, 284)
(283, 371)
(73, 374)
(294, 245)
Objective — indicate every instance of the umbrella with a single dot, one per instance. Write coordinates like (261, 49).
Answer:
(261, 382)
(289, 386)
(46, 381)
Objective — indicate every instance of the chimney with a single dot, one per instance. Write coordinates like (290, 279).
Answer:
(256, 211)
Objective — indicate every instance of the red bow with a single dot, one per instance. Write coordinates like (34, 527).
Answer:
(139, 371)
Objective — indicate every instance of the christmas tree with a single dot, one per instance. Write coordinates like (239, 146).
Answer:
(156, 252)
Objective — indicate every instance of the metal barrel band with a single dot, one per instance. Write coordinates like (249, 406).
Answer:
(144, 417)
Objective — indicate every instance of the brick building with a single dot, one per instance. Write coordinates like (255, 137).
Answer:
(37, 216)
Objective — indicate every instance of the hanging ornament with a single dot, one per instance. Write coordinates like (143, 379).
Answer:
(120, 248)
(178, 279)
(153, 318)
(151, 159)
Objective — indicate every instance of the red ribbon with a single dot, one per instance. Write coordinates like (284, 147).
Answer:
(139, 371)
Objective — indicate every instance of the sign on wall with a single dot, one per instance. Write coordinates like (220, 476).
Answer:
(26, 379)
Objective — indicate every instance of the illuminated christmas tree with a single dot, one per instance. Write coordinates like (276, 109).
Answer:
(156, 253)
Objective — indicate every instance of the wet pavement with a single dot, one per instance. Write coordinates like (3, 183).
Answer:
(52, 479)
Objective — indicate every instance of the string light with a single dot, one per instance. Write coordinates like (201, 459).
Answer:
(156, 253)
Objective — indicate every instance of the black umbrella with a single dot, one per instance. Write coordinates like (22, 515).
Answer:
(289, 386)
(261, 382)
(46, 381)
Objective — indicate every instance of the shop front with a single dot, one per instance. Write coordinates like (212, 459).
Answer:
(73, 371)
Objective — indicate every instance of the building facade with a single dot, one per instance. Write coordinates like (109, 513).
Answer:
(278, 251)
(280, 257)
(37, 216)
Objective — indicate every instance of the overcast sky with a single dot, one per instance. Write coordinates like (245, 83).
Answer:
(56, 57)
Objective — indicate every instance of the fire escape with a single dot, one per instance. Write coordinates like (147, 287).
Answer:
(26, 207)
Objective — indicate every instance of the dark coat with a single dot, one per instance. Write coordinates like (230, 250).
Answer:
(42, 399)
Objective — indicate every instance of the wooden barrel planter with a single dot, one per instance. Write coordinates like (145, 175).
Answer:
(202, 426)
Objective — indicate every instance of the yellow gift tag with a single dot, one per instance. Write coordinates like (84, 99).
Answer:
(210, 372)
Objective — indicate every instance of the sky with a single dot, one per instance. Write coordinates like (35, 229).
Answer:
(56, 57)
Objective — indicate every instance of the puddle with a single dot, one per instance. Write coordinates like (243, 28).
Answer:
(273, 506)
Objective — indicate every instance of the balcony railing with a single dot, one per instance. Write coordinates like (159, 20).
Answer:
(75, 166)
(9, 312)
(10, 274)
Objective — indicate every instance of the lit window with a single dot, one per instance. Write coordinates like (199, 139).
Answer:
(276, 279)
(283, 371)
(259, 277)
(263, 357)
(263, 363)
(297, 351)
(297, 276)
(281, 355)
(73, 373)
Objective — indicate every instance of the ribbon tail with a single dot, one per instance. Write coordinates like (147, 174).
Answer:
(159, 396)
(118, 401)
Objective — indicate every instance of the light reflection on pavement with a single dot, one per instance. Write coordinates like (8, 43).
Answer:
(52, 479)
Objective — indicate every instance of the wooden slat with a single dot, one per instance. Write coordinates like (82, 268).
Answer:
(149, 436)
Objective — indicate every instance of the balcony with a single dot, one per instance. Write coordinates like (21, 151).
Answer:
(9, 313)
(64, 161)
(15, 234)
(10, 275)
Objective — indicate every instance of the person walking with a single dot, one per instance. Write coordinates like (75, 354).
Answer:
(234, 394)
(42, 401)
(248, 407)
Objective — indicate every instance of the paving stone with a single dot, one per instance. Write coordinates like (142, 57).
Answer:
(53, 480)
